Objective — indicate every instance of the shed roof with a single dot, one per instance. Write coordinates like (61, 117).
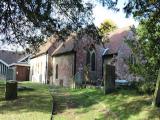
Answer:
(10, 57)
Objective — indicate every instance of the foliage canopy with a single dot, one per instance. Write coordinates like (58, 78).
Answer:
(107, 26)
(146, 46)
(29, 21)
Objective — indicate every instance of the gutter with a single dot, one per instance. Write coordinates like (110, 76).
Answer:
(19, 64)
(4, 62)
(38, 55)
(63, 53)
(46, 74)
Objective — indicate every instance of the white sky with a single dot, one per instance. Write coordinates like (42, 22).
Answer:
(12, 47)
(101, 13)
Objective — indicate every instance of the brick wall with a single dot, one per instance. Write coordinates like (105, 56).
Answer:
(122, 69)
(120, 62)
(81, 54)
(66, 61)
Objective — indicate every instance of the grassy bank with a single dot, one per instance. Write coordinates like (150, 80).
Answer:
(76, 104)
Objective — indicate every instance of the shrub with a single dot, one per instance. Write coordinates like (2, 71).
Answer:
(143, 87)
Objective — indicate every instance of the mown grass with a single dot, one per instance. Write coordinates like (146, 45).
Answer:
(76, 104)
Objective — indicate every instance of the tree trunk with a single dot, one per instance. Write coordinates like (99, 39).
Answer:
(156, 100)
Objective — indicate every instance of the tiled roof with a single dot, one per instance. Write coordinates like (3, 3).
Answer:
(49, 46)
(116, 39)
(10, 57)
(66, 46)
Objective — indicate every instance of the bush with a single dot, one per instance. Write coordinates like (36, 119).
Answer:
(146, 87)
(143, 87)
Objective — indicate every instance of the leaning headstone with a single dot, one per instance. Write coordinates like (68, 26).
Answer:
(11, 90)
(109, 79)
(78, 79)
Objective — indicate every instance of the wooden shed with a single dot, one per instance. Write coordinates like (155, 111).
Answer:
(20, 71)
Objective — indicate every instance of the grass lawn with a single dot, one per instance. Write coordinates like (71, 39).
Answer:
(76, 104)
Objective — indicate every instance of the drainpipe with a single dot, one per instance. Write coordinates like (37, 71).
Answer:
(74, 63)
(102, 64)
(46, 74)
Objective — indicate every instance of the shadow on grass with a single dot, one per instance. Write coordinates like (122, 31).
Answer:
(154, 113)
(123, 104)
(39, 100)
(23, 88)
(78, 99)
(2, 90)
(28, 103)
(126, 109)
(2, 85)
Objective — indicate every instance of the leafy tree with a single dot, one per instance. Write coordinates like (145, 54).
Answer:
(107, 26)
(140, 9)
(21, 20)
(29, 21)
(148, 37)
(146, 47)
(147, 57)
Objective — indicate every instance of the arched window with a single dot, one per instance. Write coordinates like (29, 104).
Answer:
(88, 58)
(93, 61)
(57, 71)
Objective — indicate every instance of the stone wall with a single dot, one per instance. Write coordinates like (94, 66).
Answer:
(120, 62)
(65, 70)
(81, 54)
(99, 60)
(122, 69)
(68, 62)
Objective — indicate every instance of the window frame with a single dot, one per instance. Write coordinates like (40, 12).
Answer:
(89, 59)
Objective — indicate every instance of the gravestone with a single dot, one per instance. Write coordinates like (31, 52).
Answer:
(109, 79)
(11, 90)
(79, 77)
